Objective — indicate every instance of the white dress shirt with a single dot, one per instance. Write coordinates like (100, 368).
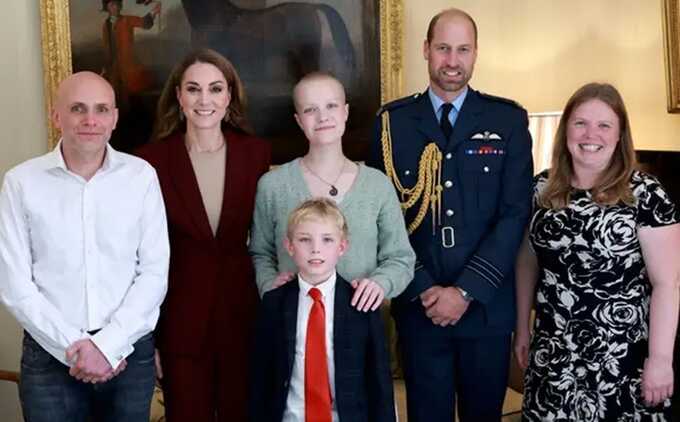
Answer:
(295, 403)
(77, 255)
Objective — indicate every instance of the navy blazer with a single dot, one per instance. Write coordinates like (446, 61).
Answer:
(487, 171)
(363, 385)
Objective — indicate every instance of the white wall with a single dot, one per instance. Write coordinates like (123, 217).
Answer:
(23, 135)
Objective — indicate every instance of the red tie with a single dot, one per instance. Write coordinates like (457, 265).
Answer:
(317, 387)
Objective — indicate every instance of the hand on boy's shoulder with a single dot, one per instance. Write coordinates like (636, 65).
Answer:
(368, 295)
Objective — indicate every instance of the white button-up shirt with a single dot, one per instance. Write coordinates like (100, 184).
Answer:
(79, 255)
(295, 404)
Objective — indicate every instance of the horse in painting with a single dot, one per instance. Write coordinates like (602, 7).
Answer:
(288, 38)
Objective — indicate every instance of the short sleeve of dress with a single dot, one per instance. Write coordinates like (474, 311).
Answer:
(655, 207)
(540, 181)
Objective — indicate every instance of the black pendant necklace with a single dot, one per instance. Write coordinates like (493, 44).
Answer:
(333, 190)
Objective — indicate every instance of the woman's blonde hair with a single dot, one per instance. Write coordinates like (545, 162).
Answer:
(168, 114)
(613, 184)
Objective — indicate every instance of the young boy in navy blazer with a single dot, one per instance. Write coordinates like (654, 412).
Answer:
(316, 358)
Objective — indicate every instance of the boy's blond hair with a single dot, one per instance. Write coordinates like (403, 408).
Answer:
(317, 209)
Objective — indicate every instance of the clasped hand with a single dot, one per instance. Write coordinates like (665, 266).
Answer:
(443, 305)
(90, 364)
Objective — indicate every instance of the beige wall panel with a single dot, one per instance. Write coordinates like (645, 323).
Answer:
(538, 52)
(23, 136)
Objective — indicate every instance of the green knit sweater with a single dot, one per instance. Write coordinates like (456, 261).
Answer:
(378, 243)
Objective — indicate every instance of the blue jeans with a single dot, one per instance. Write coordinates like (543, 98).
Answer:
(48, 393)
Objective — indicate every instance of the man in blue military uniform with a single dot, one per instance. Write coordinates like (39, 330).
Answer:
(461, 161)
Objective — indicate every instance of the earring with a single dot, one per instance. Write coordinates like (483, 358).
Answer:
(226, 115)
(181, 114)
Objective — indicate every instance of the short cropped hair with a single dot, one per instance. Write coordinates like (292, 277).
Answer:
(452, 12)
(318, 76)
(317, 209)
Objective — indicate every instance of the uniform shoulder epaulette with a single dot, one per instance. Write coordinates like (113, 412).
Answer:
(398, 103)
(501, 99)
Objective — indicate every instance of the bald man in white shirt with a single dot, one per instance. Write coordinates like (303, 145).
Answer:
(83, 265)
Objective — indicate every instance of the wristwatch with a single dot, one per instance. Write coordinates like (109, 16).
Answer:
(466, 296)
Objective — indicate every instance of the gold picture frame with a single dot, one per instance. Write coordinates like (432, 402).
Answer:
(57, 63)
(671, 46)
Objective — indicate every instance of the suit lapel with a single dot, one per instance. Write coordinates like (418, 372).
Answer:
(290, 310)
(234, 186)
(341, 305)
(468, 119)
(186, 185)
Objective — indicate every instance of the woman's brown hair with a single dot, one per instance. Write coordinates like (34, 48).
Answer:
(613, 184)
(168, 110)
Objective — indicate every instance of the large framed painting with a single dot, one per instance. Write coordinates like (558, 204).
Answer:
(272, 43)
(671, 44)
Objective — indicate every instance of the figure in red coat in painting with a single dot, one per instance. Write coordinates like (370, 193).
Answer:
(121, 68)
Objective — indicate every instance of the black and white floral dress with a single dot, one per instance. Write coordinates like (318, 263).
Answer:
(592, 307)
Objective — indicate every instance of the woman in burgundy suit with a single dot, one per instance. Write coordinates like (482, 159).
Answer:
(208, 165)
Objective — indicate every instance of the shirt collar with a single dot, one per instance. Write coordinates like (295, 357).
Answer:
(326, 287)
(437, 102)
(111, 158)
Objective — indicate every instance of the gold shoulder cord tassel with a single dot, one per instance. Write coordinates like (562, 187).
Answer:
(428, 187)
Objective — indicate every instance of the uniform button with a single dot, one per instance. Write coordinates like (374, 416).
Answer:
(407, 172)
(449, 213)
(448, 156)
(448, 183)
(486, 169)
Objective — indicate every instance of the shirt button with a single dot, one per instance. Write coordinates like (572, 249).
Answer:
(448, 156)
(407, 172)
(486, 169)
(448, 183)
(449, 213)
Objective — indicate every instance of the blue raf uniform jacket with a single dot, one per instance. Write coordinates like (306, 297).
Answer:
(486, 178)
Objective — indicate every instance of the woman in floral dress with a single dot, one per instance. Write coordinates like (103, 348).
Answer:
(600, 264)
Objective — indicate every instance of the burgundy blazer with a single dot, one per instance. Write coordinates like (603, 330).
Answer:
(211, 278)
